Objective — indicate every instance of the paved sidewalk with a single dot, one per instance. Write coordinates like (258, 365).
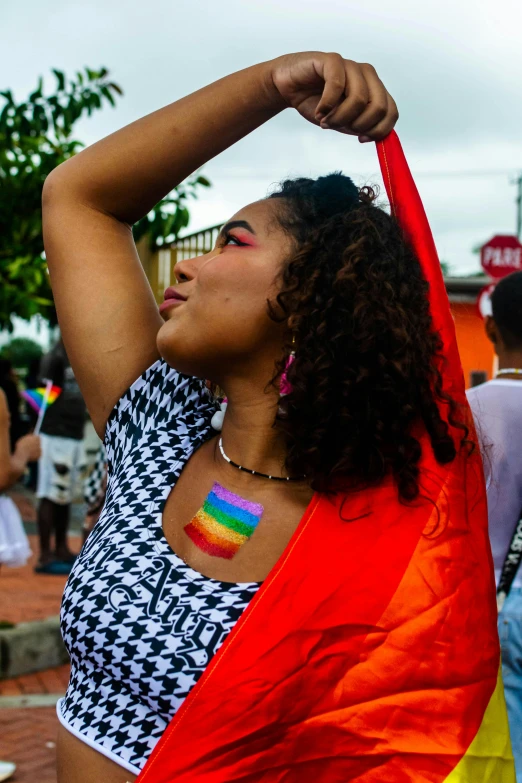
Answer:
(28, 723)
(28, 738)
(26, 596)
(50, 681)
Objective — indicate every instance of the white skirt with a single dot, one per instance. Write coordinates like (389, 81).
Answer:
(14, 544)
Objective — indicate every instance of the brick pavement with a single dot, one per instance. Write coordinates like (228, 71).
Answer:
(28, 733)
(27, 737)
(26, 596)
(52, 681)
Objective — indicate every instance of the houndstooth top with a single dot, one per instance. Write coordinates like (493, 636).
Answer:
(139, 624)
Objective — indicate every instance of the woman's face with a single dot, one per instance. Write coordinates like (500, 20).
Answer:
(222, 327)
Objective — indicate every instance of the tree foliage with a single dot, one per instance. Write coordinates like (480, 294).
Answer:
(36, 135)
(21, 351)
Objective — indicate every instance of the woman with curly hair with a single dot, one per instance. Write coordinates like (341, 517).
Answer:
(293, 591)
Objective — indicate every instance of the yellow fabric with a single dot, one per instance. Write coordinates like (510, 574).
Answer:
(489, 758)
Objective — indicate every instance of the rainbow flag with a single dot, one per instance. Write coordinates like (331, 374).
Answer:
(36, 397)
(224, 522)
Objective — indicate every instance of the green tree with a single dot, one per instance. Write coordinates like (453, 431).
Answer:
(36, 135)
(21, 351)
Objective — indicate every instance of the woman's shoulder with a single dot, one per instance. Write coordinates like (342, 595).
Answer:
(158, 397)
(159, 390)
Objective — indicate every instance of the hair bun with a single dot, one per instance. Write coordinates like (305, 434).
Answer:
(335, 193)
(317, 200)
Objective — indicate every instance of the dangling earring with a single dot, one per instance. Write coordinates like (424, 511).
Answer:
(217, 419)
(284, 386)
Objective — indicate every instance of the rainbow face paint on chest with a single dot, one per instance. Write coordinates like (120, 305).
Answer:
(223, 523)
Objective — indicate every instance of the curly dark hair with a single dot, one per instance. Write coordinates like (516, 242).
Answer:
(367, 359)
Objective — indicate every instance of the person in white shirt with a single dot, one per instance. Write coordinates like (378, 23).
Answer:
(497, 410)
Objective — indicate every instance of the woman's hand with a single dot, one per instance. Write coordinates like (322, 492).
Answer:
(335, 93)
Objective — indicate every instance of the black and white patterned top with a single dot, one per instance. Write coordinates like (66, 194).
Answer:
(139, 624)
(94, 484)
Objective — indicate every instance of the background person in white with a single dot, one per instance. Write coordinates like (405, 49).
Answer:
(497, 410)
(61, 463)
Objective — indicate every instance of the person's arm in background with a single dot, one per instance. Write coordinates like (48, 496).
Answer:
(27, 449)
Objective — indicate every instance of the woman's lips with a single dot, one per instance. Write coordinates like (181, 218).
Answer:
(172, 292)
(170, 303)
(172, 297)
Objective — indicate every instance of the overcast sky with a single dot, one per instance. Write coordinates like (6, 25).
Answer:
(453, 66)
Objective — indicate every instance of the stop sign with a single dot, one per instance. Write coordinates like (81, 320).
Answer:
(501, 256)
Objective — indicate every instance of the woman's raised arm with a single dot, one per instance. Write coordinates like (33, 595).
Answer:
(108, 316)
(106, 309)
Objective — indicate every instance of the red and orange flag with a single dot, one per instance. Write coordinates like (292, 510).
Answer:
(370, 653)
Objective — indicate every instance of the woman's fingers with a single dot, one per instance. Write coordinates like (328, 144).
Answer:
(354, 99)
(385, 126)
(369, 110)
(332, 70)
(335, 93)
(377, 107)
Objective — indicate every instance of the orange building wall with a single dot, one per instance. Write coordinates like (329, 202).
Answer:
(476, 351)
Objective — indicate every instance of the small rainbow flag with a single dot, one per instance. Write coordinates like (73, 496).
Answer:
(36, 397)
(224, 522)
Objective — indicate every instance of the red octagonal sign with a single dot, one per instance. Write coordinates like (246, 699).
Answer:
(501, 256)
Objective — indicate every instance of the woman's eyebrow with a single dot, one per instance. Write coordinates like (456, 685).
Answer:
(236, 224)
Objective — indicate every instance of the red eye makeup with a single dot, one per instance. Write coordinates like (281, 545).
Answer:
(243, 234)
(236, 240)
